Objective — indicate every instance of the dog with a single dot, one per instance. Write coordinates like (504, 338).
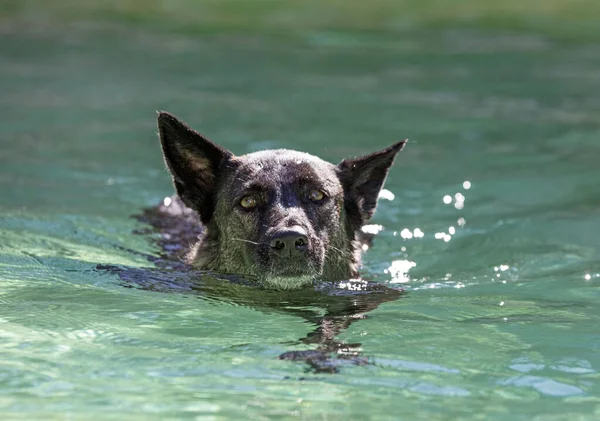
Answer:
(282, 218)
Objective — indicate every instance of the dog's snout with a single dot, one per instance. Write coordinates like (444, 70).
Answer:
(289, 243)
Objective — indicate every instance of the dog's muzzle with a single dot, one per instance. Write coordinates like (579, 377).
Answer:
(288, 252)
(290, 243)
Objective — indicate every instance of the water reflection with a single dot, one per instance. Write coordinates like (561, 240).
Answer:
(330, 306)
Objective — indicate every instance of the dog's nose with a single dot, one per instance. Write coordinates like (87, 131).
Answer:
(289, 243)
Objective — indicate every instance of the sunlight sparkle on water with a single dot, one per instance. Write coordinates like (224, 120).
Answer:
(386, 194)
(459, 198)
(587, 277)
(399, 271)
(443, 236)
(407, 234)
(460, 201)
(372, 229)
(353, 285)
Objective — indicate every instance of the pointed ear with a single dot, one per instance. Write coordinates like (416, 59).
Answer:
(194, 162)
(363, 178)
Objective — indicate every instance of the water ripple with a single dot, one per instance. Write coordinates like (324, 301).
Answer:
(543, 385)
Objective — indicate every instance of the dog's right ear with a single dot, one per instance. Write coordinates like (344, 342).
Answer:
(194, 162)
(363, 179)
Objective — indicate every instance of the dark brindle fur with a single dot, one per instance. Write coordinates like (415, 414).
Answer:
(282, 217)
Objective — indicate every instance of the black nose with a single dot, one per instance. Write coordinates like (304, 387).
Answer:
(289, 243)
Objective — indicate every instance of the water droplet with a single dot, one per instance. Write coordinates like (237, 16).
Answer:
(386, 194)
(406, 234)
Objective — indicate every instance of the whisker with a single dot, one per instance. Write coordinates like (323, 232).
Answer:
(246, 241)
(336, 249)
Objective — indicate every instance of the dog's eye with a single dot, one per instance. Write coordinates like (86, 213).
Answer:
(316, 195)
(248, 202)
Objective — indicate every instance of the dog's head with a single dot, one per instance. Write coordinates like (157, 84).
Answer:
(282, 216)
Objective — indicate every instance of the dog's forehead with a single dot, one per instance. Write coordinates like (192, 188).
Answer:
(286, 165)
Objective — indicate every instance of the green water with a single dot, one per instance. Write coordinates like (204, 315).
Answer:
(501, 319)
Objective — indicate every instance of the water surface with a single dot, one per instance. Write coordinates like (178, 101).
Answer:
(492, 228)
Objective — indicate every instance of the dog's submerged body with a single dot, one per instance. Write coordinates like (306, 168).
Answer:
(281, 217)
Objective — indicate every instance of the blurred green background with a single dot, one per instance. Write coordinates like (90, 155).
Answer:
(559, 19)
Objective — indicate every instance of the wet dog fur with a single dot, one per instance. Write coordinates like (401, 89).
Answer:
(280, 217)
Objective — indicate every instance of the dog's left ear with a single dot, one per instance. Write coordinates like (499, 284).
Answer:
(363, 179)
(194, 162)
